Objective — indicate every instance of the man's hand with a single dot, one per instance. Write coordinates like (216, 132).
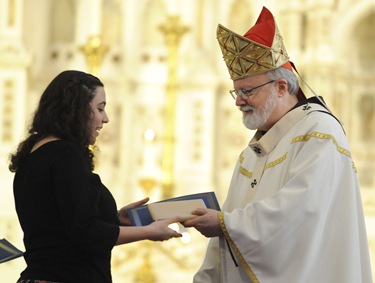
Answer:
(206, 222)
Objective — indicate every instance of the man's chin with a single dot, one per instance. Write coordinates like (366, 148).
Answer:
(249, 125)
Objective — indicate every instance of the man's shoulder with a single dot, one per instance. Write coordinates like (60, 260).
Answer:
(317, 111)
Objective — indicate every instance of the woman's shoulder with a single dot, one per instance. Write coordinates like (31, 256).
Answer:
(54, 145)
(61, 153)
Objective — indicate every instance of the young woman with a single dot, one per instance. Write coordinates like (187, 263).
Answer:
(69, 218)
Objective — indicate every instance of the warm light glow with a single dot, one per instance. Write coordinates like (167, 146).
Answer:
(174, 227)
(149, 135)
(186, 238)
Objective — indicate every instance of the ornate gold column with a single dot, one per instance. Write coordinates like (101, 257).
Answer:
(94, 51)
(173, 30)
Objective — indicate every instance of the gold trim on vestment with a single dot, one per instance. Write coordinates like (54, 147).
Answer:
(246, 173)
(241, 158)
(322, 136)
(277, 161)
(242, 170)
(249, 174)
(354, 167)
(234, 248)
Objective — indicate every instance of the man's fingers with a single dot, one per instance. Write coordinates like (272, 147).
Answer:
(199, 211)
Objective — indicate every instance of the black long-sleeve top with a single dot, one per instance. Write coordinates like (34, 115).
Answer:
(69, 218)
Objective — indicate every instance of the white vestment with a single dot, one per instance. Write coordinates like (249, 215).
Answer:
(293, 213)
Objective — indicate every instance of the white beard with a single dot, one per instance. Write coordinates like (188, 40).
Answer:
(258, 117)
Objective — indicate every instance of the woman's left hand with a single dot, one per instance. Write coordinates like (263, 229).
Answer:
(123, 214)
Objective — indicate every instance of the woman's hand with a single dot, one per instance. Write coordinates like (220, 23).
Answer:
(159, 230)
(123, 215)
(156, 231)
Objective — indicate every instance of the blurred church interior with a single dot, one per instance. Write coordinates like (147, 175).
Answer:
(174, 128)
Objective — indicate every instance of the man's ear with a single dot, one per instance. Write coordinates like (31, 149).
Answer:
(282, 87)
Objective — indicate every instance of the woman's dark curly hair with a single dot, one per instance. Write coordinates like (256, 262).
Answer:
(64, 112)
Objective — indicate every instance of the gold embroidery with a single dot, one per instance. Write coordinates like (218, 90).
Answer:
(354, 167)
(241, 158)
(322, 136)
(243, 171)
(234, 248)
(277, 161)
(246, 173)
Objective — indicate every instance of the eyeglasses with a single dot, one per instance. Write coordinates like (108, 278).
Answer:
(246, 93)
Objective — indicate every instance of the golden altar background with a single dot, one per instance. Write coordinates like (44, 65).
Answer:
(173, 127)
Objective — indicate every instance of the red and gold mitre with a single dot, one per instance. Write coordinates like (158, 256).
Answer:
(260, 50)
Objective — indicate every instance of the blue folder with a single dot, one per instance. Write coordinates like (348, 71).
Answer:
(8, 251)
(140, 216)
